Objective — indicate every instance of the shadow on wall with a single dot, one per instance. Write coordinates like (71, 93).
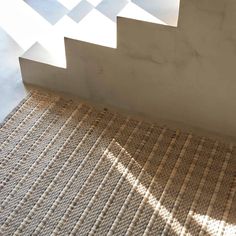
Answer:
(167, 11)
(164, 10)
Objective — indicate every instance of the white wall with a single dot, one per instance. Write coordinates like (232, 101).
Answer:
(185, 74)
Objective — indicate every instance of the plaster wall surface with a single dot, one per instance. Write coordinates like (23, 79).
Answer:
(183, 74)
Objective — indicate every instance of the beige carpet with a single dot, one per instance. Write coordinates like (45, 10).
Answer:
(67, 168)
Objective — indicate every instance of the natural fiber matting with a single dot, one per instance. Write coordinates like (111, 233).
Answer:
(68, 168)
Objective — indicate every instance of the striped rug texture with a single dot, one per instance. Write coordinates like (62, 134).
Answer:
(67, 168)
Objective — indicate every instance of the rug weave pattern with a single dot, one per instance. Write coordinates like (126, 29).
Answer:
(67, 168)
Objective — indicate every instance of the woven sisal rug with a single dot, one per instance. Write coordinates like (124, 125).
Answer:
(70, 169)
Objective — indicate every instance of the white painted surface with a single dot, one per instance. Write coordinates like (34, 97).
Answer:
(91, 21)
(20, 21)
(184, 74)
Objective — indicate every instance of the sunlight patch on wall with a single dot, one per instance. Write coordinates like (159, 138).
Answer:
(23, 24)
(92, 21)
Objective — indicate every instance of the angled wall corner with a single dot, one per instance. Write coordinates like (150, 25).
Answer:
(183, 74)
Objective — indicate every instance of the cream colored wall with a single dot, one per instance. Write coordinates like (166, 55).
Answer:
(183, 75)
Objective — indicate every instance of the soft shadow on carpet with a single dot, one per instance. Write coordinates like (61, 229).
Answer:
(68, 168)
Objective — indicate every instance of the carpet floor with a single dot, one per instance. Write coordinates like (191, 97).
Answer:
(67, 168)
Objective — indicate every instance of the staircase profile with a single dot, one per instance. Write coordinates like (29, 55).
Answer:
(183, 74)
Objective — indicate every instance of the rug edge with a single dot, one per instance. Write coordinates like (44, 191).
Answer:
(14, 110)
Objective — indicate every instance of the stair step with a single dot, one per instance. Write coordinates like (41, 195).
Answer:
(38, 53)
(181, 74)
